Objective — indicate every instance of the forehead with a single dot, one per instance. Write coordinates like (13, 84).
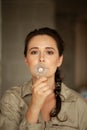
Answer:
(42, 40)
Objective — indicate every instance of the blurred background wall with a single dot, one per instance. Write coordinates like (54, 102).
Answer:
(18, 17)
(0, 48)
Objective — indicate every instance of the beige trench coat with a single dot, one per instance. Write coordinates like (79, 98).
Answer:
(15, 102)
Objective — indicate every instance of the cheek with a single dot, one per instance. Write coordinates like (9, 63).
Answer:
(30, 64)
(53, 64)
(31, 61)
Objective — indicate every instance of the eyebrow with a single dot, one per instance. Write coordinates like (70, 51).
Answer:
(50, 48)
(33, 48)
(38, 48)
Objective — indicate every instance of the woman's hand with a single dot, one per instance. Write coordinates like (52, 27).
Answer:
(40, 91)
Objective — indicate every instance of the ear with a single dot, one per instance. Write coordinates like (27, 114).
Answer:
(60, 60)
(26, 61)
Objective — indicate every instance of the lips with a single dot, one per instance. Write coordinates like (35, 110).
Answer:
(40, 70)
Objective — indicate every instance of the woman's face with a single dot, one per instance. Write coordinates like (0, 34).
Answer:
(42, 49)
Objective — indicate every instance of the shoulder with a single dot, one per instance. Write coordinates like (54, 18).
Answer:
(73, 109)
(14, 95)
(72, 95)
(73, 101)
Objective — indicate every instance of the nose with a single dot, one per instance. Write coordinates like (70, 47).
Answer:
(41, 57)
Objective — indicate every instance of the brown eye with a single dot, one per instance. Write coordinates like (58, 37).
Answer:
(34, 52)
(50, 52)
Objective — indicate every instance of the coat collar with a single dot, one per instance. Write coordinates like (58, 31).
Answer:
(26, 88)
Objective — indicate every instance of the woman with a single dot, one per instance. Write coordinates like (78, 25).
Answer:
(44, 102)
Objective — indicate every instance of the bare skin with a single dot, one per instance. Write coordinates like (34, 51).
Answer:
(47, 107)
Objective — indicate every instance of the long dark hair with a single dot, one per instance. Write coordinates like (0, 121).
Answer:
(60, 45)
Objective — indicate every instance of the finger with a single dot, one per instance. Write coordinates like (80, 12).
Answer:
(43, 89)
(41, 85)
(48, 92)
(40, 88)
(42, 79)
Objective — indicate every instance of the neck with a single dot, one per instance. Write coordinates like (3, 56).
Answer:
(51, 83)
